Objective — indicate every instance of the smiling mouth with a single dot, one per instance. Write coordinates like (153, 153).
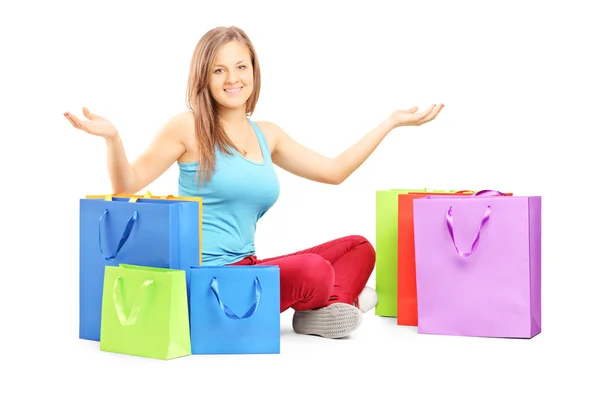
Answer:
(233, 91)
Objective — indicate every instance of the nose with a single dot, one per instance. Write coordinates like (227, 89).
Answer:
(231, 77)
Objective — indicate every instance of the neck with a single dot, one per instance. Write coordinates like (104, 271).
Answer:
(233, 117)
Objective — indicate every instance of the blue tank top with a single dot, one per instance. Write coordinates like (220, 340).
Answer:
(239, 193)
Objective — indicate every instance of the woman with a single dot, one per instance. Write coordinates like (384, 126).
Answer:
(228, 159)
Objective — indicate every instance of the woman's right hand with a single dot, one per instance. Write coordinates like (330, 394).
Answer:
(96, 125)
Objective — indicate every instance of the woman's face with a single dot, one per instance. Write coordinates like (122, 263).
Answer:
(232, 77)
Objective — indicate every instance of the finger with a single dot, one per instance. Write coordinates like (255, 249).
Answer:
(413, 109)
(88, 114)
(76, 122)
(425, 114)
(69, 118)
(73, 119)
(433, 114)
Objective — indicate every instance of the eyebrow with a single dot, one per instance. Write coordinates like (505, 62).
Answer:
(239, 62)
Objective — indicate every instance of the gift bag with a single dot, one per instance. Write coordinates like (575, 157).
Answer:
(134, 197)
(152, 232)
(478, 265)
(386, 247)
(407, 313)
(145, 312)
(235, 310)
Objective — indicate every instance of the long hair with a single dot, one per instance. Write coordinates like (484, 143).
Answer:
(210, 133)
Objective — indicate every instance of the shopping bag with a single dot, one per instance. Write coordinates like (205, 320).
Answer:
(235, 310)
(406, 298)
(478, 265)
(145, 312)
(133, 198)
(386, 248)
(152, 232)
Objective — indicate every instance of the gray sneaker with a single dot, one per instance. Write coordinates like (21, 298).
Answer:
(335, 321)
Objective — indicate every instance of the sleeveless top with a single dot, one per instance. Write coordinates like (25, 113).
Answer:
(239, 193)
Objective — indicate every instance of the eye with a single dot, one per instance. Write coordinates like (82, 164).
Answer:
(218, 71)
(242, 67)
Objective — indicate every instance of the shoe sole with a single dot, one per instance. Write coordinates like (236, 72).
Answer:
(334, 321)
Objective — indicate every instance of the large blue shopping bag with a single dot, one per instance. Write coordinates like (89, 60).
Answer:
(151, 232)
(235, 310)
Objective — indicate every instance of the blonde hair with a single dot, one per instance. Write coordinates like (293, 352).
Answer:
(210, 133)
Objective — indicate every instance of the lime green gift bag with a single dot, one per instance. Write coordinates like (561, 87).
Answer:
(386, 248)
(145, 312)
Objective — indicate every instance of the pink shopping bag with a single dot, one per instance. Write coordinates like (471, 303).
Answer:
(478, 265)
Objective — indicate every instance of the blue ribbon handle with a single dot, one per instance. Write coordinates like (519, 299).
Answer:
(124, 236)
(214, 285)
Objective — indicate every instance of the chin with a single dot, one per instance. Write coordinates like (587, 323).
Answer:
(228, 102)
(232, 105)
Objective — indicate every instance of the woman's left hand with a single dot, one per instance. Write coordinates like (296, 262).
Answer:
(411, 117)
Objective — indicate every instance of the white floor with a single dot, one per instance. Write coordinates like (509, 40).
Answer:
(380, 361)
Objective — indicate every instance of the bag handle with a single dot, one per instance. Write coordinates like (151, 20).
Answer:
(149, 195)
(131, 319)
(481, 193)
(486, 216)
(450, 222)
(124, 236)
(214, 285)
(133, 198)
(489, 192)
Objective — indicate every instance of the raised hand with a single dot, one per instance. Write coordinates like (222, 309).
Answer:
(411, 117)
(94, 125)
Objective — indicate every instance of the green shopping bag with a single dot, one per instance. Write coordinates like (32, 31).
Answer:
(145, 312)
(386, 248)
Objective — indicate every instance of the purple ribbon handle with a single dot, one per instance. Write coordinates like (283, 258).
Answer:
(475, 244)
(482, 193)
(488, 192)
(484, 220)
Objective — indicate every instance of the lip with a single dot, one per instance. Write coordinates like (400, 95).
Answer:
(233, 90)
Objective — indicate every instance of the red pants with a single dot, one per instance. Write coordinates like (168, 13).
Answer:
(335, 271)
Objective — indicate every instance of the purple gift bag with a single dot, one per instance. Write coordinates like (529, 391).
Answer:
(478, 265)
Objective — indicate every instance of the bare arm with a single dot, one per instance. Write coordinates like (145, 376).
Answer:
(346, 163)
(120, 170)
(166, 148)
(304, 162)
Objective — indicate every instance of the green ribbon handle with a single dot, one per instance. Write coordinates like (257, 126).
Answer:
(131, 319)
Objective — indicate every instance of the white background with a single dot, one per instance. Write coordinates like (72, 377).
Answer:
(520, 83)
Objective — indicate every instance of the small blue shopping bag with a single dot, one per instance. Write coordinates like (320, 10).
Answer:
(235, 309)
(152, 232)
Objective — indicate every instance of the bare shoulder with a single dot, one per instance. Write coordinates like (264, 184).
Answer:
(272, 132)
(180, 126)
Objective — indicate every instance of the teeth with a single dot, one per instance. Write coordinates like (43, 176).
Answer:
(233, 90)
